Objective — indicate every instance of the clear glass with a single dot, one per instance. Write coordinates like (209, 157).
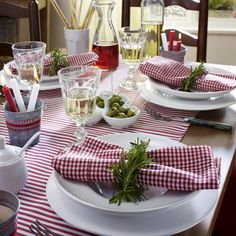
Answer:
(105, 43)
(79, 85)
(132, 41)
(29, 59)
(152, 19)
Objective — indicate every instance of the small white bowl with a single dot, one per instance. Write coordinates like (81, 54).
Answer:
(96, 117)
(123, 122)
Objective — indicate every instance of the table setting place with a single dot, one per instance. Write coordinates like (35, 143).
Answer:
(91, 144)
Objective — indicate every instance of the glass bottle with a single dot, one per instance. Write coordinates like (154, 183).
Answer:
(152, 19)
(105, 43)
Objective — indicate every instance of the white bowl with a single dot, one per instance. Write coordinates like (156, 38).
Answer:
(96, 117)
(123, 122)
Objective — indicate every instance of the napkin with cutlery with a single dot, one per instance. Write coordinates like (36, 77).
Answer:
(87, 59)
(173, 73)
(184, 168)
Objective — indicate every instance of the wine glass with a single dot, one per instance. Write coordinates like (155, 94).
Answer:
(29, 59)
(79, 85)
(132, 42)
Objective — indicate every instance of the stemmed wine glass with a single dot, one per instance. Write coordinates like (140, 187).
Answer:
(29, 59)
(79, 85)
(132, 42)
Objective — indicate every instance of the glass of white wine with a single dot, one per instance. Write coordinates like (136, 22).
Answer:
(79, 85)
(29, 59)
(132, 42)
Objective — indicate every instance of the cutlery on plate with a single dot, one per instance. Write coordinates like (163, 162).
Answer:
(191, 120)
(102, 189)
(37, 228)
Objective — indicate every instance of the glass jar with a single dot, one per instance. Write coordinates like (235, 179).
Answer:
(152, 19)
(105, 43)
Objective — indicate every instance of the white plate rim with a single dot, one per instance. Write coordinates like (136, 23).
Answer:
(80, 216)
(44, 84)
(153, 96)
(126, 208)
(164, 88)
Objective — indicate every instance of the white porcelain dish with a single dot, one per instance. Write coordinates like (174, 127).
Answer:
(171, 221)
(47, 82)
(121, 123)
(83, 194)
(165, 100)
(195, 95)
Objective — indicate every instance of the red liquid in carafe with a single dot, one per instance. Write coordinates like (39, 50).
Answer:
(108, 53)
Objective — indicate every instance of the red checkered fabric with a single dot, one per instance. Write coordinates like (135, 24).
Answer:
(173, 73)
(87, 59)
(178, 168)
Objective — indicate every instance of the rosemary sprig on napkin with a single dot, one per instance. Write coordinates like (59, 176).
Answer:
(126, 173)
(194, 75)
(59, 61)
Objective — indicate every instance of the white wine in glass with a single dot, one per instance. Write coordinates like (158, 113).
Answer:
(29, 59)
(79, 85)
(132, 42)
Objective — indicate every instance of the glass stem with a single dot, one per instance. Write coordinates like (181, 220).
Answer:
(80, 132)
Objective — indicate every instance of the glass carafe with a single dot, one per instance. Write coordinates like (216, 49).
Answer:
(105, 43)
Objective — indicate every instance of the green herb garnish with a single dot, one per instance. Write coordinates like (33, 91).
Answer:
(194, 75)
(59, 61)
(126, 172)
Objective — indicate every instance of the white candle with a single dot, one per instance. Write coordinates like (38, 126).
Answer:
(19, 100)
(164, 41)
(33, 97)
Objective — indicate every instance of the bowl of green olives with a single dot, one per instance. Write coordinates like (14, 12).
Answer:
(121, 117)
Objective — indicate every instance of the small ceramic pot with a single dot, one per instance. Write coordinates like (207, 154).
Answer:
(13, 170)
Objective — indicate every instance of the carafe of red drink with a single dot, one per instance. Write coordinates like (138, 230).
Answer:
(105, 43)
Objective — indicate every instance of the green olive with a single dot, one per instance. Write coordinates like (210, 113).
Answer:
(121, 103)
(122, 115)
(100, 104)
(114, 111)
(115, 104)
(130, 113)
(109, 113)
(122, 109)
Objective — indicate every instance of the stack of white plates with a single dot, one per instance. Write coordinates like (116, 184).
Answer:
(163, 213)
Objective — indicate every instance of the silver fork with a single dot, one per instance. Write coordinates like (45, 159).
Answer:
(39, 229)
(191, 120)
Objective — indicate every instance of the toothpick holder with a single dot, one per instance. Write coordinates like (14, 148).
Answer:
(174, 55)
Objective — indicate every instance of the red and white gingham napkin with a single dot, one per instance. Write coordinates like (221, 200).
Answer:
(86, 59)
(178, 168)
(173, 73)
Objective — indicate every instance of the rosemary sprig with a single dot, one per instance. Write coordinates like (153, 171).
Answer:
(126, 172)
(194, 75)
(59, 61)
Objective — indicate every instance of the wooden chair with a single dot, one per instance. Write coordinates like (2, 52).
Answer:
(19, 9)
(199, 41)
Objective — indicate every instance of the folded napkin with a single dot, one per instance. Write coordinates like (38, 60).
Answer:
(178, 168)
(87, 59)
(173, 73)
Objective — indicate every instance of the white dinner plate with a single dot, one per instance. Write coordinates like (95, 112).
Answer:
(47, 83)
(164, 88)
(172, 220)
(152, 95)
(83, 194)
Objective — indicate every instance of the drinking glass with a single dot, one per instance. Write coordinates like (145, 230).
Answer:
(29, 59)
(132, 42)
(79, 85)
